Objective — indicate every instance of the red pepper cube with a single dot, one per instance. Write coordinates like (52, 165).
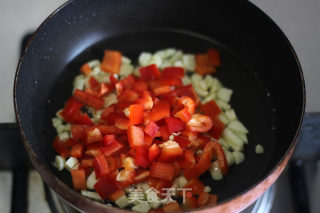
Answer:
(150, 72)
(164, 133)
(105, 187)
(125, 178)
(78, 179)
(112, 148)
(188, 160)
(93, 136)
(182, 141)
(128, 96)
(142, 157)
(136, 114)
(76, 150)
(154, 152)
(135, 136)
(88, 99)
(151, 129)
(108, 139)
(60, 147)
(173, 72)
(211, 109)
(214, 58)
(101, 166)
(160, 110)
(71, 107)
(217, 128)
(174, 124)
(165, 171)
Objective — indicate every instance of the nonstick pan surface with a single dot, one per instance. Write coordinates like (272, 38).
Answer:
(258, 63)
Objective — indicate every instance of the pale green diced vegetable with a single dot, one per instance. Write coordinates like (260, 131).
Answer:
(64, 135)
(155, 60)
(92, 195)
(56, 122)
(207, 189)
(202, 85)
(165, 64)
(110, 99)
(141, 207)
(59, 162)
(126, 70)
(145, 186)
(94, 63)
(215, 85)
(182, 181)
(242, 136)
(189, 62)
(60, 129)
(215, 172)
(129, 189)
(176, 57)
(96, 71)
(186, 80)
(223, 118)
(125, 60)
(144, 58)
(210, 97)
(223, 143)
(79, 82)
(195, 79)
(201, 92)
(224, 94)
(229, 157)
(238, 157)
(259, 149)
(160, 53)
(126, 112)
(231, 115)
(91, 180)
(178, 64)
(122, 202)
(67, 127)
(232, 140)
(169, 52)
(71, 163)
(208, 80)
(136, 72)
(223, 105)
(153, 198)
(237, 126)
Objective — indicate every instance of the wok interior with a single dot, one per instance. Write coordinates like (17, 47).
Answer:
(257, 63)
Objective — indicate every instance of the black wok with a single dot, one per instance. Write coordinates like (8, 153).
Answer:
(258, 63)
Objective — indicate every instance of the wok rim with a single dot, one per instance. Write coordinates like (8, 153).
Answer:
(242, 199)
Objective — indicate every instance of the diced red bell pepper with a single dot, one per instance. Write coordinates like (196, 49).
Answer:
(196, 186)
(141, 176)
(101, 166)
(173, 72)
(154, 152)
(217, 128)
(127, 82)
(186, 91)
(60, 147)
(151, 129)
(169, 153)
(182, 141)
(146, 100)
(161, 170)
(177, 168)
(203, 198)
(125, 178)
(213, 200)
(86, 162)
(199, 123)
(93, 136)
(78, 132)
(214, 58)
(211, 109)
(87, 99)
(111, 61)
(76, 150)
(112, 148)
(190, 202)
(71, 113)
(142, 157)
(93, 150)
(136, 114)
(171, 82)
(113, 163)
(85, 69)
(103, 89)
(93, 83)
(108, 139)
(164, 133)
(128, 96)
(78, 179)
(140, 86)
(150, 72)
(109, 129)
(172, 207)
(122, 123)
(163, 89)
(105, 187)
(201, 167)
(116, 195)
(183, 114)
(71, 142)
(160, 110)
(135, 137)
(92, 92)
(113, 81)
(148, 140)
(205, 69)
(174, 124)
(188, 160)
(218, 152)
(202, 141)
(108, 115)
